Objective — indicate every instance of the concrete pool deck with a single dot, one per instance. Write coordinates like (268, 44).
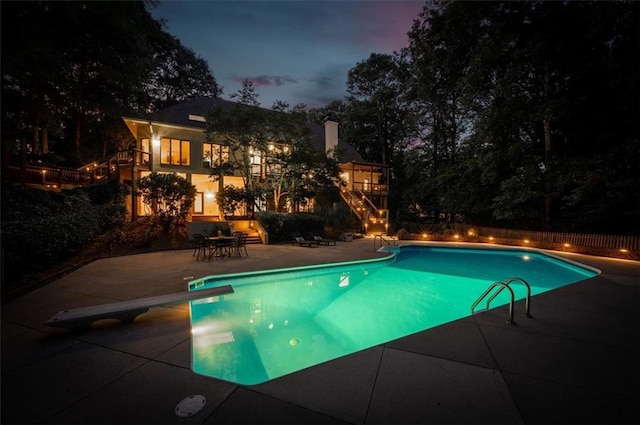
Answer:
(576, 361)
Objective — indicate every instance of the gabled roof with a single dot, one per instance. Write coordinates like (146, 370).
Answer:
(183, 114)
(179, 114)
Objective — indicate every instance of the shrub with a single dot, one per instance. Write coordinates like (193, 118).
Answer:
(42, 227)
(279, 226)
(231, 198)
(169, 196)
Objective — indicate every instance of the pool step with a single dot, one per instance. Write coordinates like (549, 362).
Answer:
(127, 311)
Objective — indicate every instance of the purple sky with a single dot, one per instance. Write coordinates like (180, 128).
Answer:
(294, 51)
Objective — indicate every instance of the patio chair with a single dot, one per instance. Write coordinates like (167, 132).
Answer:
(200, 245)
(299, 240)
(239, 244)
(316, 237)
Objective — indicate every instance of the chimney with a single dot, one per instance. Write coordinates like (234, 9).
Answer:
(330, 133)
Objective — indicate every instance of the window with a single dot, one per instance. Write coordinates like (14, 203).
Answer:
(198, 203)
(257, 164)
(145, 146)
(174, 152)
(214, 155)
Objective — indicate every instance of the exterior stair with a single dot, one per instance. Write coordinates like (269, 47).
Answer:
(376, 228)
(253, 236)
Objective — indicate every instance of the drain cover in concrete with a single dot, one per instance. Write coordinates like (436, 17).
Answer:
(190, 405)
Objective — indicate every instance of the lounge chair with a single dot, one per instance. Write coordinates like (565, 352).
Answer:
(299, 240)
(316, 237)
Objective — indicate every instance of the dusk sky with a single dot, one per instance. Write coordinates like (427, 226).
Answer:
(294, 51)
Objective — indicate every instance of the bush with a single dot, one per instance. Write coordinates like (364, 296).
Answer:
(41, 227)
(279, 226)
(170, 198)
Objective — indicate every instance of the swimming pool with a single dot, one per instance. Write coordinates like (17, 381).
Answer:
(281, 321)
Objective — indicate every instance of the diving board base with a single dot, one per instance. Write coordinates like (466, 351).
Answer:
(127, 311)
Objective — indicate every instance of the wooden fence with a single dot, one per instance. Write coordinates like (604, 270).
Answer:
(619, 242)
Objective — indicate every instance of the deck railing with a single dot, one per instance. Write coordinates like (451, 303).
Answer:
(49, 177)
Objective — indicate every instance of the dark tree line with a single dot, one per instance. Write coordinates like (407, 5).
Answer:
(519, 114)
(507, 113)
(71, 70)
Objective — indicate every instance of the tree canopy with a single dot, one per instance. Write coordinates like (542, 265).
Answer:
(506, 115)
(288, 168)
(71, 70)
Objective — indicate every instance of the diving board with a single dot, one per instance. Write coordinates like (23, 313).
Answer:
(127, 311)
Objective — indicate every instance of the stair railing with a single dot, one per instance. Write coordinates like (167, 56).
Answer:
(488, 290)
(388, 241)
(502, 286)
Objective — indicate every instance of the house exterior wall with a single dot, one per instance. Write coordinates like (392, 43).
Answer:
(365, 178)
(195, 172)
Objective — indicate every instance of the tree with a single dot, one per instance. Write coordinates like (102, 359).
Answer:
(244, 129)
(231, 198)
(179, 74)
(312, 174)
(377, 107)
(269, 148)
(380, 122)
(522, 111)
(169, 196)
(71, 70)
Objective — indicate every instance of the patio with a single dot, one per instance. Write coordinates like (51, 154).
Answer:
(576, 361)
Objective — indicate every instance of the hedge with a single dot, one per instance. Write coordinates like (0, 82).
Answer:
(40, 227)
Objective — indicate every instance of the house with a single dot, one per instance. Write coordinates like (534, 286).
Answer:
(173, 140)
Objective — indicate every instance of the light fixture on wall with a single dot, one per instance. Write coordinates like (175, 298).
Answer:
(155, 141)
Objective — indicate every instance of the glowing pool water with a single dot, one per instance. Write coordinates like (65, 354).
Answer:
(278, 322)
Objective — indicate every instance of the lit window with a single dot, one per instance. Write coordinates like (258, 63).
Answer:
(214, 155)
(174, 152)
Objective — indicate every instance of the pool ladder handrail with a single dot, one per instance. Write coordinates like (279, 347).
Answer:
(502, 286)
(383, 240)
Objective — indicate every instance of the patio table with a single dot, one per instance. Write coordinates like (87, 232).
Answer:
(219, 246)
